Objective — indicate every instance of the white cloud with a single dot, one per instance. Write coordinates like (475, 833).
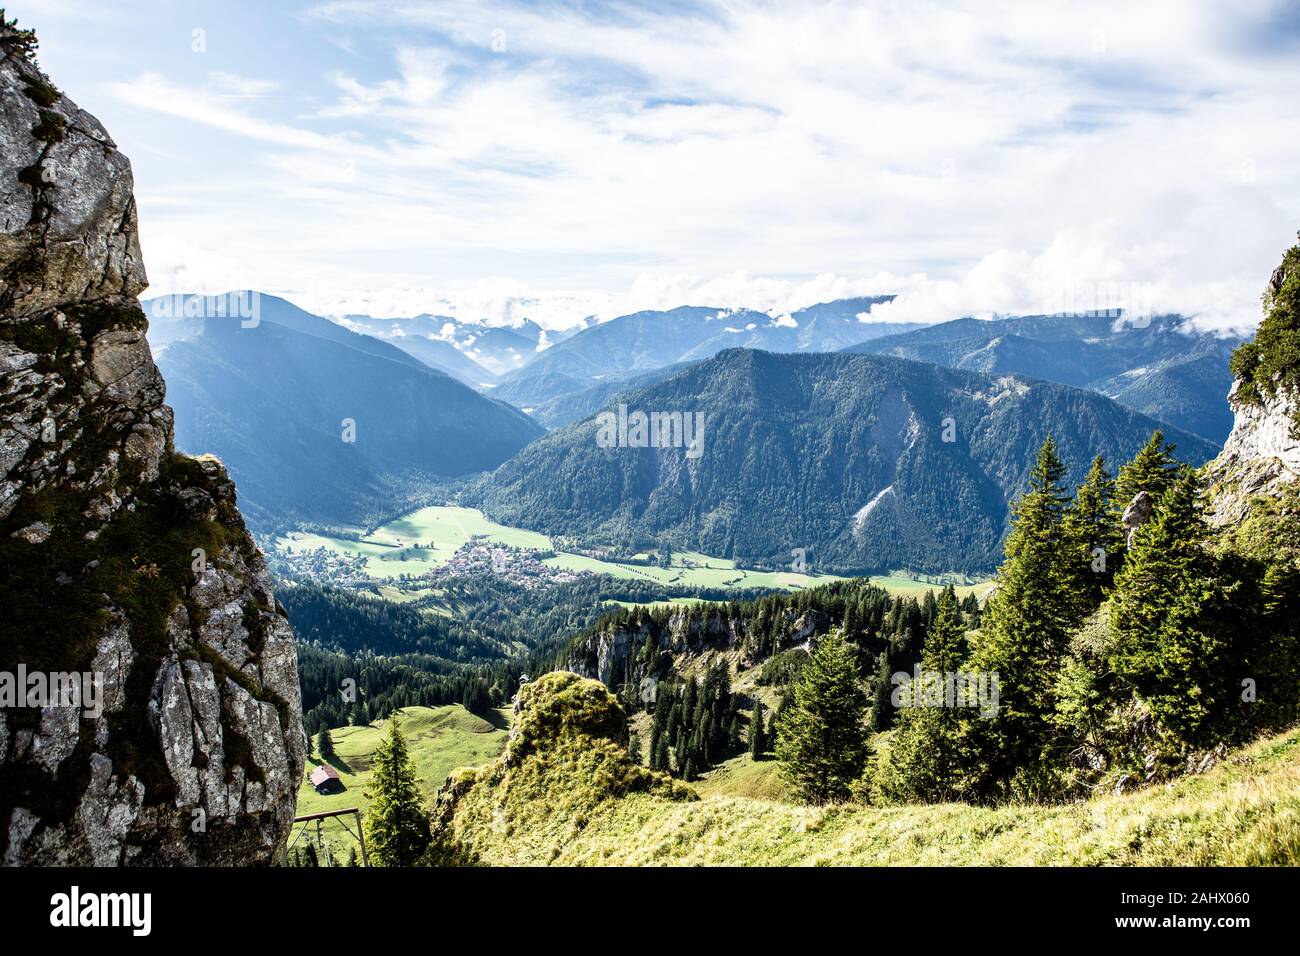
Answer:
(974, 158)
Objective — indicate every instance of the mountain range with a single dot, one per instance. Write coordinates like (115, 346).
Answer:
(476, 353)
(629, 345)
(869, 463)
(1157, 366)
(274, 401)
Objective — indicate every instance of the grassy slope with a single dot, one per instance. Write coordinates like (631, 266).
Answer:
(441, 739)
(1246, 811)
(743, 777)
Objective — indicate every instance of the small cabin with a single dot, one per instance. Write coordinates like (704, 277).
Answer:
(326, 779)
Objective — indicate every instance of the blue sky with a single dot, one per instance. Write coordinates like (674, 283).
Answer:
(497, 159)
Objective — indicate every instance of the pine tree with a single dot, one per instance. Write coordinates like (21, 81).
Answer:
(326, 747)
(397, 830)
(1165, 596)
(757, 742)
(1093, 537)
(1151, 470)
(882, 687)
(821, 741)
(661, 756)
(927, 757)
(1025, 630)
(634, 748)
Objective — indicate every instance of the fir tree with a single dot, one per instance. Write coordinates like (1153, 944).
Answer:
(1093, 538)
(757, 741)
(326, 746)
(1151, 470)
(1026, 627)
(397, 830)
(821, 741)
(1165, 595)
(926, 759)
(882, 706)
(661, 756)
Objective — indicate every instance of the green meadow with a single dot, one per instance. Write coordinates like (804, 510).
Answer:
(440, 530)
(440, 740)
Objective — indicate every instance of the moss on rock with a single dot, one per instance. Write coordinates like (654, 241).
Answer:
(567, 757)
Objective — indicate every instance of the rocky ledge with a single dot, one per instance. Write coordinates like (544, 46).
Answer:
(127, 567)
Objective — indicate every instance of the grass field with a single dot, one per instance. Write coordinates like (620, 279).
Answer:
(1243, 812)
(743, 777)
(440, 530)
(440, 738)
(905, 585)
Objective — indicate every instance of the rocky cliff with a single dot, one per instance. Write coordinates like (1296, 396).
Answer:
(614, 653)
(1263, 452)
(149, 703)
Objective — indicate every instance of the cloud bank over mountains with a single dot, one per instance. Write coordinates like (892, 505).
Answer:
(972, 158)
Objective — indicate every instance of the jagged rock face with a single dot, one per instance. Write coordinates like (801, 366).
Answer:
(1137, 513)
(125, 563)
(612, 655)
(1261, 454)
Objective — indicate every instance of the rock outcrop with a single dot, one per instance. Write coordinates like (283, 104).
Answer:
(614, 655)
(566, 757)
(1262, 453)
(1136, 514)
(127, 567)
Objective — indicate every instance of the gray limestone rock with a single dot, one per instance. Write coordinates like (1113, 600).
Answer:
(194, 750)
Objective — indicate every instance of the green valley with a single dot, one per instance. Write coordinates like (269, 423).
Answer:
(430, 538)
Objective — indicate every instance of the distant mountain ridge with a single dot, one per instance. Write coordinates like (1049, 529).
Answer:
(841, 454)
(485, 352)
(274, 401)
(629, 345)
(1154, 366)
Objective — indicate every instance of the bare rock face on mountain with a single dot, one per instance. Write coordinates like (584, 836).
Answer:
(149, 702)
(1263, 452)
(1137, 513)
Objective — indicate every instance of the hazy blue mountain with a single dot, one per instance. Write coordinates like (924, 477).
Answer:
(1177, 377)
(173, 318)
(270, 401)
(424, 337)
(575, 406)
(491, 351)
(841, 454)
(630, 344)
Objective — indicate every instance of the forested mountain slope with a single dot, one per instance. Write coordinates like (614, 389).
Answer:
(868, 462)
(1154, 365)
(329, 429)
